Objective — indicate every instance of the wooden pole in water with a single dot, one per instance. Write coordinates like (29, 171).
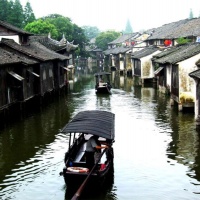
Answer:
(80, 190)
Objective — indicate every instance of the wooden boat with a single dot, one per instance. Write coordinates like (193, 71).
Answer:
(80, 129)
(103, 82)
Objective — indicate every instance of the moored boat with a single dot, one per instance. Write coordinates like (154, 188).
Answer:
(84, 125)
(103, 82)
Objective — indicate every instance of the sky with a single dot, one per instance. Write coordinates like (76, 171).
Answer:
(113, 15)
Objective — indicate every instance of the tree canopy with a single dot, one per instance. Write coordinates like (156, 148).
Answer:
(13, 13)
(80, 38)
(42, 27)
(104, 38)
(55, 24)
(29, 16)
(90, 31)
(63, 25)
(191, 14)
(4, 12)
(128, 28)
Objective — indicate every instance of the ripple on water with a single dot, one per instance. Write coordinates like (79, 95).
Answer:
(44, 164)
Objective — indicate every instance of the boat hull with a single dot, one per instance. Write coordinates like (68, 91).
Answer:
(95, 182)
(103, 90)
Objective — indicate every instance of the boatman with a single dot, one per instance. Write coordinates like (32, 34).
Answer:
(92, 146)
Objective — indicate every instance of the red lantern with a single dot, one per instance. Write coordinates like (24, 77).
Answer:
(167, 42)
(132, 43)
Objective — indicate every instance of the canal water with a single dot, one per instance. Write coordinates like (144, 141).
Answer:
(156, 149)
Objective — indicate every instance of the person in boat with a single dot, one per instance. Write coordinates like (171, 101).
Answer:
(100, 81)
(92, 146)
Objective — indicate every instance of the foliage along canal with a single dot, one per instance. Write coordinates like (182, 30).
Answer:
(156, 149)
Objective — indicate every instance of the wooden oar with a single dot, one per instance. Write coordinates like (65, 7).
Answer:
(79, 191)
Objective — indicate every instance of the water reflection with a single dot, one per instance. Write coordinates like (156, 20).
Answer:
(184, 147)
(157, 153)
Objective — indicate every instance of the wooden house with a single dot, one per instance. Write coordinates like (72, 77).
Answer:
(120, 59)
(124, 40)
(51, 68)
(143, 69)
(11, 32)
(118, 52)
(174, 68)
(16, 80)
(96, 56)
(168, 34)
(30, 66)
(196, 76)
(163, 73)
(63, 46)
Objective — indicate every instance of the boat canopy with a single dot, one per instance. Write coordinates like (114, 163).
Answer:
(95, 122)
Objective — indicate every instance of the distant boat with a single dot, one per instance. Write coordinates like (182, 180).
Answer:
(103, 82)
(80, 128)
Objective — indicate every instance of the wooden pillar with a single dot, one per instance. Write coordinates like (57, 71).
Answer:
(198, 123)
(172, 102)
(180, 107)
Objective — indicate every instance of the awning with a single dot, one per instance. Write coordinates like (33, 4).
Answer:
(95, 122)
(33, 73)
(158, 70)
(17, 76)
(65, 68)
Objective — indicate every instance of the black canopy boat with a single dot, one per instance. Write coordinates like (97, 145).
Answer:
(103, 82)
(80, 129)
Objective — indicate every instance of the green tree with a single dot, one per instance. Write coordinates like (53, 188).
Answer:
(4, 12)
(10, 10)
(42, 27)
(80, 38)
(191, 14)
(128, 28)
(63, 25)
(182, 40)
(58, 25)
(90, 31)
(28, 14)
(104, 38)
(16, 16)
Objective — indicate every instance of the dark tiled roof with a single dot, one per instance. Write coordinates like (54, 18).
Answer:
(183, 52)
(165, 52)
(7, 57)
(190, 28)
(123, 38)
(195, 74)
(107, 51)
(117, 50)
(198, 62)
(35, 50)
(96, 50)
(48, 42)
(144, 52)
(182, 28)
(14, 28)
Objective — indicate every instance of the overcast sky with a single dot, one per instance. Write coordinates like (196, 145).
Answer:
(110, 14)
